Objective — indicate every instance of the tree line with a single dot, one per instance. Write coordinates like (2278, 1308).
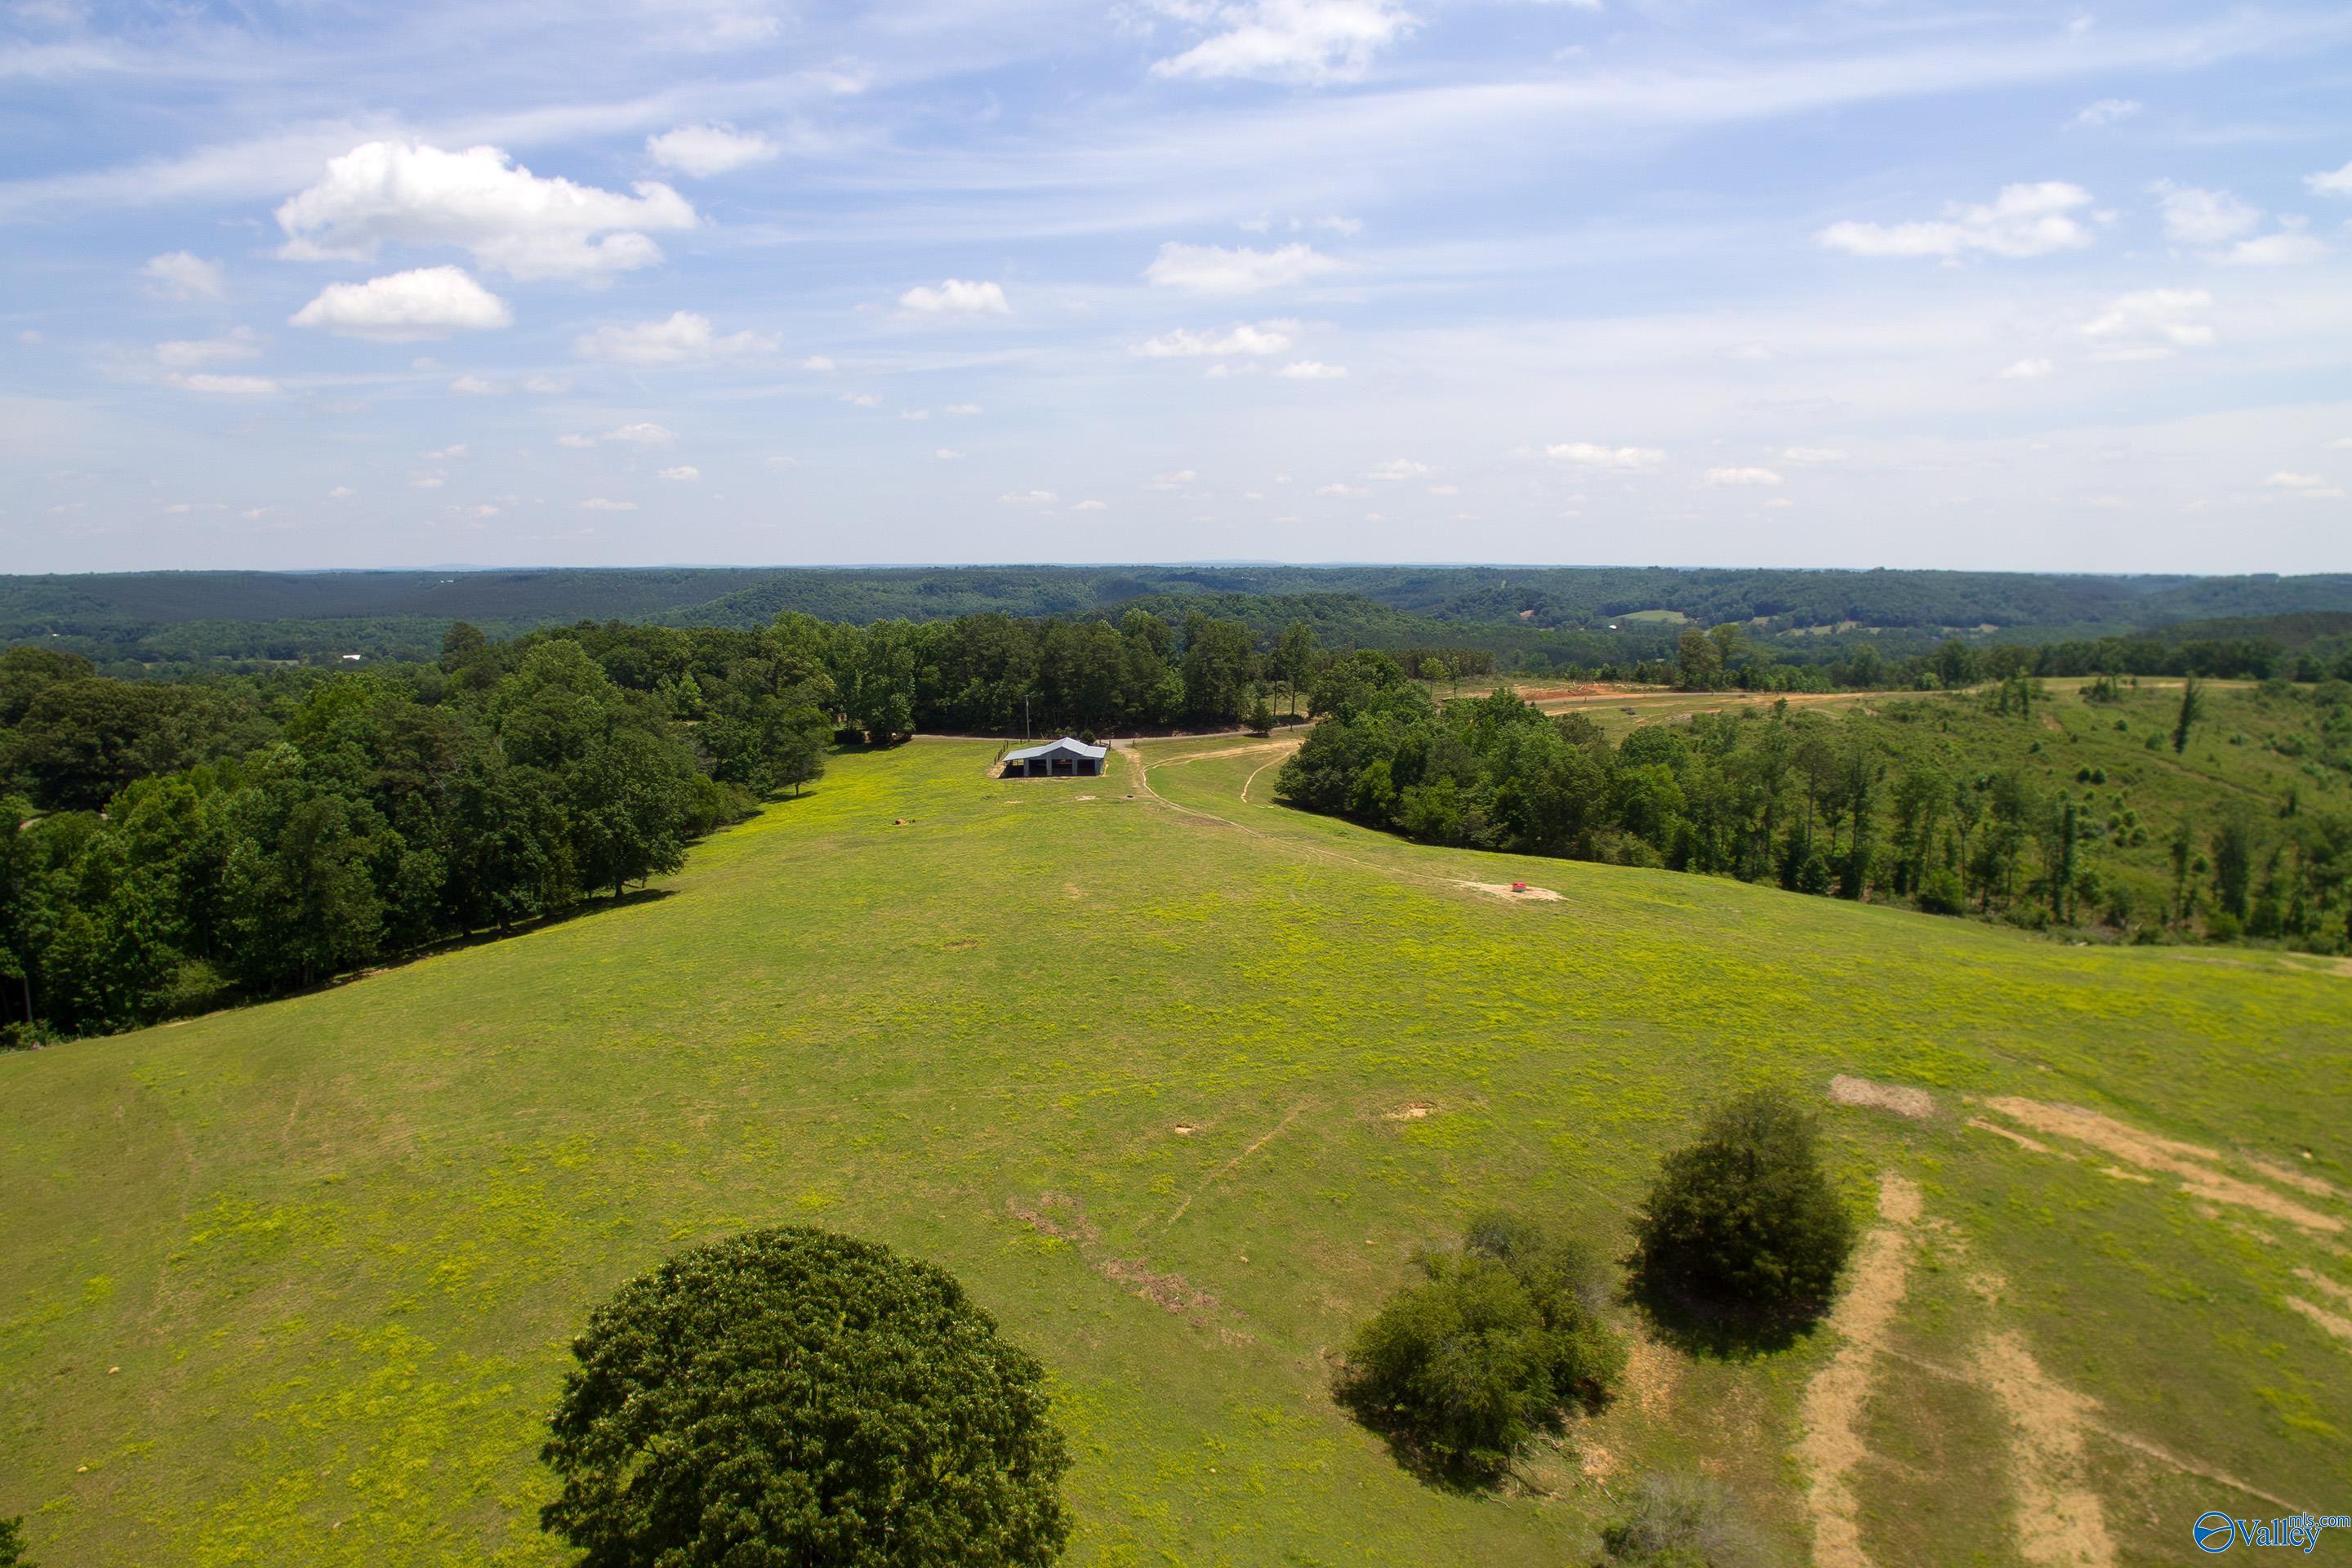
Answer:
(1807, 802)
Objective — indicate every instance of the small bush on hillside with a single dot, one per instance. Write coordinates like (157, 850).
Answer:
(12, 1544)
(1683, 1521)
(1742, 1226)
(795, 1396)
(1463, 1368)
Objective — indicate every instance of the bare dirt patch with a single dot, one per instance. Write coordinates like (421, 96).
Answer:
(2193, 1163)
(1169, 1292)
(2279, 1171)
(1414, 1111)
(1833, 1409)
(1508, 890)
(1055, 1216)
(2328, 1287)
(1900, 1098)
(2059, 1519)
(1183, 1129)
(2339, 1326)
(2020, 1139)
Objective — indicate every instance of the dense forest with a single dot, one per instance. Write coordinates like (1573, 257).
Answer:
(2142, 814)
(1534, 618)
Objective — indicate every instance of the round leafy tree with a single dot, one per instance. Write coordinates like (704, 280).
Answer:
(796, 1397)
(1743, 1224)
(1462, 1368)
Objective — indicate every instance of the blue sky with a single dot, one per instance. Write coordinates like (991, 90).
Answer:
(734, 281)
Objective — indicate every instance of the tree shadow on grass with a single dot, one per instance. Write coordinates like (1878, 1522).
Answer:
(1441, 1472)
(1719, 1330)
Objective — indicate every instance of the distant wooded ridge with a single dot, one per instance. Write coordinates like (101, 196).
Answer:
(1531, 619)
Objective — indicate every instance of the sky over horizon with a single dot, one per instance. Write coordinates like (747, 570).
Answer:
(1584, 281)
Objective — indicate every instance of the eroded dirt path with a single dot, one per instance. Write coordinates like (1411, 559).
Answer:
(2059, 1520)
(1832, 1410)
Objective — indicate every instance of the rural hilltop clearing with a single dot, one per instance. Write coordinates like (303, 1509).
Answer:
(1176, 1080)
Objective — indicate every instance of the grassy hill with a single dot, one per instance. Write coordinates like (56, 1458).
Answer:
(1177, 1080)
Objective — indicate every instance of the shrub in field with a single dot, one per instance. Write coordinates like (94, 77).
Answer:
(1683, 1521)
(794, 1397)
(1462, 1368)
(1742, 1225)
(12, 1544)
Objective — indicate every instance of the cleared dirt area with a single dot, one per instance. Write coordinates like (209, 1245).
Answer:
(2059, 1519)
(1510, 891)
(1900, 1098)
(1832, 1410)
(2193, 1163)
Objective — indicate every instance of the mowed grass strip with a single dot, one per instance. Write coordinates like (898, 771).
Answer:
(294, 1284)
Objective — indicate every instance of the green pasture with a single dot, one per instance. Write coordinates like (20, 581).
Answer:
(294, 1284)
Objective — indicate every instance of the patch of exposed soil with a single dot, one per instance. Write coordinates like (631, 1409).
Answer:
(2339, 1326)
(1833, 1409)
(1412, 1110)
(1505, 889)
(2341, 1292)
(2020, 1139)
(1900, 1098)
(2279, 1171)
(1057, 1216)
(2193, 1163)
(1171, 1292)
(2059, 1519)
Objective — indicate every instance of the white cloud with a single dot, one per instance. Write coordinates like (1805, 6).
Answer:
(598, 503)
(704, 150)
(686, 337)
(1742, 477)
(2106, 111)
(1215, 269)
(642, 434)
(547, 383)
(1586, 455)
(683, 474)
(2287, 248)
(1445, 489)
(428, 481)
(818, 363)
(237, 343)
(476, 386)
(1028, 498)
(862, 399)
(2285, 480)
(1814, 455)
(1286, 41)
(947, 455)
(1778, 502)
(964, 410)
(1241, 338)
(955, 297)
(429, 302)
(2341, 444)
(1354, 493)
(508, 219)
(444, 454)
(2195, 217)
(578, 443)
(914, 414)
(1312, 370)
(1400, 468)
(2152, 323)
(180, 508)
(180, 275)
(341, 492)
(2332, 183)
(225, 385)
(2028, 369)
(1089, 506)
(1176, 479)
(2023, 220)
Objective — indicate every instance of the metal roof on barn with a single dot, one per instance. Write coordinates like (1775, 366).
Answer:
(1067, 746)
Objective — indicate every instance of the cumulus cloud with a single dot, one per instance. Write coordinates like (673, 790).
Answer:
(1216, 269)
(1241, 338)
(703, 150)
(2329, 182)
(2106, 111)
(401, 307)
(476, 386)
(2287, 248)
(237, 343)
(576, 441)
(861, 399)
(2195, 217)
(1028, 498)
(955, 297)
(1588, 455)
(818, 363)
(341, 492)
(2023, 220)
(1174, 480)
(181, 275)
(1091, 506)
(1310, 41)
(1352, 492)
(947, 455)
(1400, 468)
(2306, 487)
(1312, 370)
(683, 474)
(1742, 477)
(2152, 323)
(642, 434)
(1814, 455)
(508, 219)
(964, 410)
(2028, 369)
(225, 385)
(686, 337)
(598, 503)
